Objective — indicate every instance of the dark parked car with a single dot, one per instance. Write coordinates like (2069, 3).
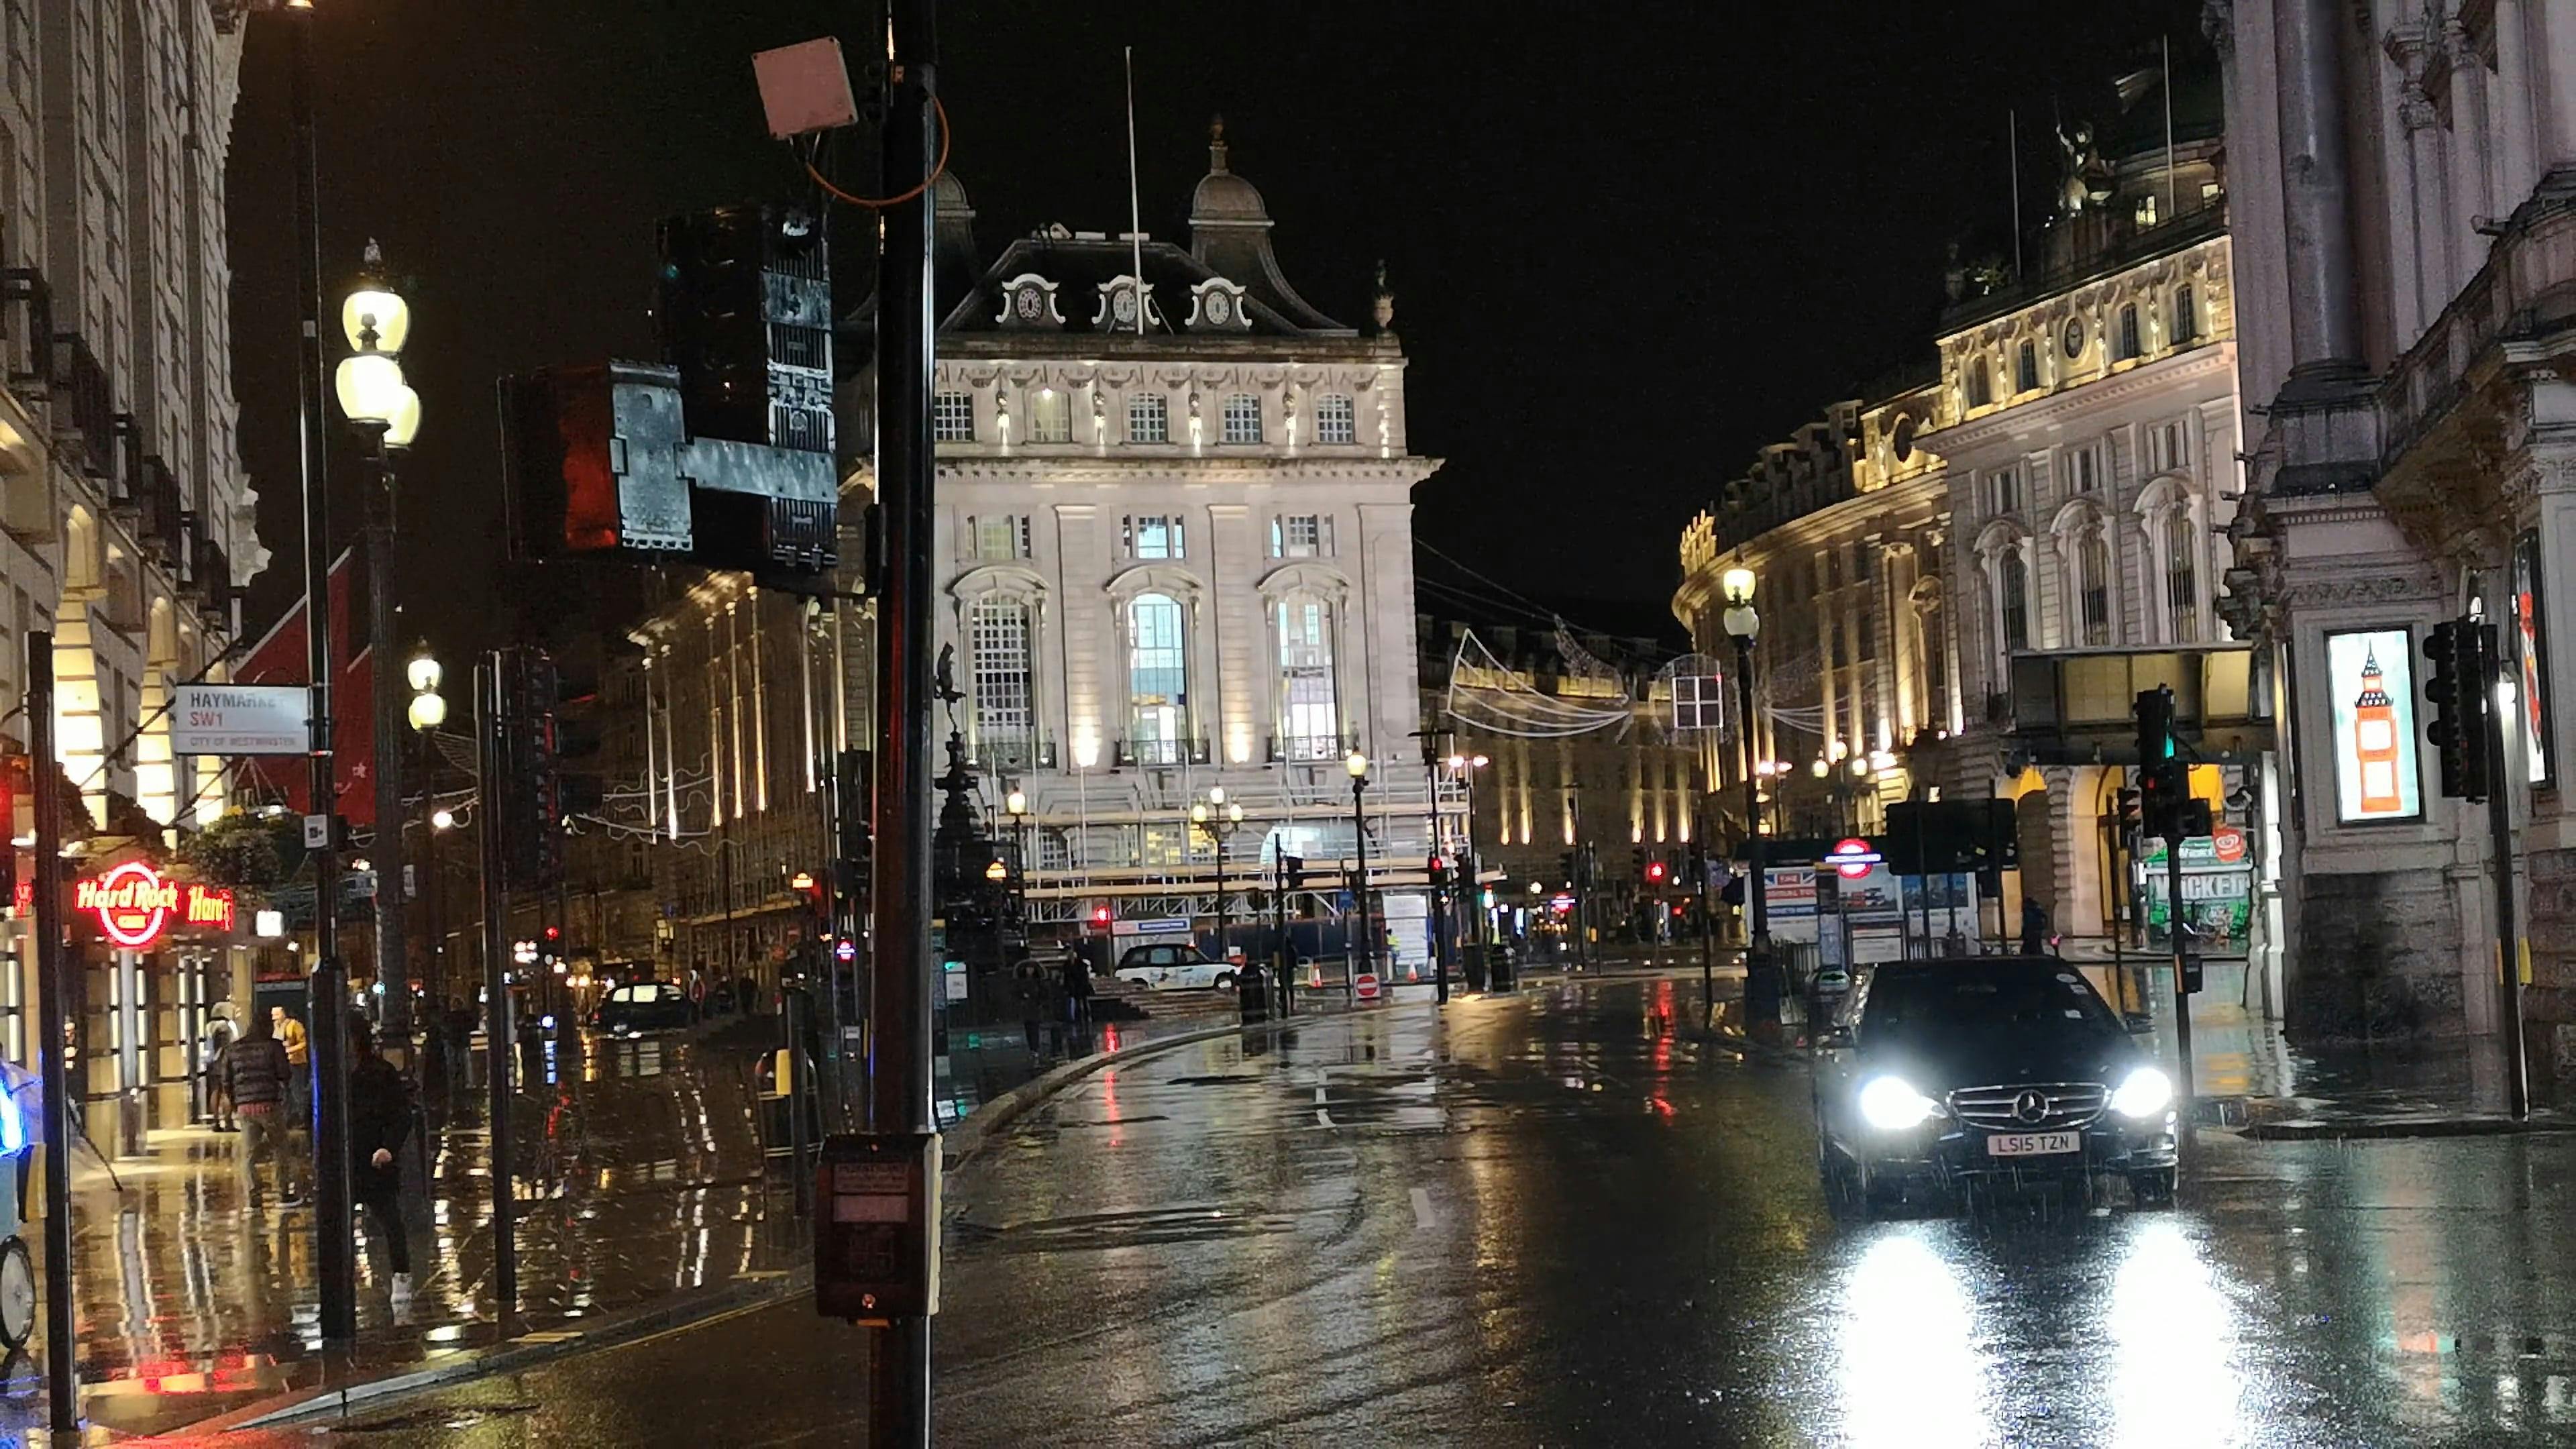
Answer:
(1986, 1072)
(639, 1007)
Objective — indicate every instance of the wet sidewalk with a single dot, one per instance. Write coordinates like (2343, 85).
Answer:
(644, 1191)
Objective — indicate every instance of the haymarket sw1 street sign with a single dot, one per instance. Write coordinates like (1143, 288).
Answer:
(240, 719)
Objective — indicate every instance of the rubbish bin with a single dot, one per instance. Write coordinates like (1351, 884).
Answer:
(1252, 992)
(1472, 961)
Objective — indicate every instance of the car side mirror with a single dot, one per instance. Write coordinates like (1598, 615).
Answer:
(2138, 1023)
(1834, 1038)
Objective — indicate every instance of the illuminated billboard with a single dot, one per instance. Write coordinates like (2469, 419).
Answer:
(2370, 683)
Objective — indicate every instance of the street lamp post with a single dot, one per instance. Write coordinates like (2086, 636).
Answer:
(1365, 954)
(1219, 819)
(1743, 625)
(1016, 806)
(386, 413)
(1473, 905)
(427, 711)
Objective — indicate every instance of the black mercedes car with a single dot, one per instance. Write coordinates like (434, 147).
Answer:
(1947, 1077)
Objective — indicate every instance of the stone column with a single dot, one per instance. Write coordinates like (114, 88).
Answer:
(2325, 326)
(2554, 56)
(2510, 105)
(2471, 166)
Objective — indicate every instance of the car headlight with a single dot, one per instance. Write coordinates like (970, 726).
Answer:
(2143, 1093)
(1891, 1104)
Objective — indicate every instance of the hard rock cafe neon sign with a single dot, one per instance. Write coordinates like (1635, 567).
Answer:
(135, 905)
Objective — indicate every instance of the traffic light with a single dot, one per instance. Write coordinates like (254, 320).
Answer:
(2163, 782)
(1565, 868)
(2461, 653)
(530, 788)
(1656, 871)
(1292, 872)
(2132, 811)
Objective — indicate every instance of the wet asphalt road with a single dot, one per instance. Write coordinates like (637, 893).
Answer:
(1558, 1220)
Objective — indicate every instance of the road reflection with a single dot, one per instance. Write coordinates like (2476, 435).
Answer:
(2172, 1325)
(1910, 1370)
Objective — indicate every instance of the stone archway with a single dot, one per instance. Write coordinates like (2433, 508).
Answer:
(2035, 837)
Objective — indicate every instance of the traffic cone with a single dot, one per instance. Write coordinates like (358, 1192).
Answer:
(1413, 972)
(1315, 975)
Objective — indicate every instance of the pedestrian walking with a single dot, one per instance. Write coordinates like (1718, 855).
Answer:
(1075, 1009)
(256, 1075)
(1029, 992)
(221, 1032)
(299, 1057)
(2034, 928)
(744, 994)
(379, 1123)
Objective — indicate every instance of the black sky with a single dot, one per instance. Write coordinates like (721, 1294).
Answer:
(1631, 243)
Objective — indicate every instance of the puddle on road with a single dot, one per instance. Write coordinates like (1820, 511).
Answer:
(1147, 1227)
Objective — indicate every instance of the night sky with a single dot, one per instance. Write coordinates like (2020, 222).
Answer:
(1627, 250)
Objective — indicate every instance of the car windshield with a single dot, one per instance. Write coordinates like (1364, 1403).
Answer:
(1921, 1003)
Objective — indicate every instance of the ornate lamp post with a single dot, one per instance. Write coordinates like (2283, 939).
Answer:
(1465, 768)
(1743, 625)
(1016, 806)
(427, 711)
(1218, 819)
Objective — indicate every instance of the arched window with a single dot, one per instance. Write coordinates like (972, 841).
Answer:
(1310, 721)
(2093, 564)
(2016, 598)
(1158, 676)
(2182, 575)
(998, 632)
(1981, 382)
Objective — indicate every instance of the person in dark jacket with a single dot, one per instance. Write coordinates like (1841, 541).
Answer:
(1030, 993)
(379, 1122)
(255, 1077)
(221, 1032)
(2034, 928)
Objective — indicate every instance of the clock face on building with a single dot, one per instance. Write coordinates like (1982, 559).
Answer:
(1904, 442)
(2074, 336)
(1030, 305)
(1220, 308)
(1122, 304)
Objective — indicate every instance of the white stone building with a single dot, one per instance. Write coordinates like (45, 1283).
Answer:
(2405, 208)
(1176, 559)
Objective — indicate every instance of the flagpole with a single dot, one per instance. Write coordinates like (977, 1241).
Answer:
(1135, 212)
(2012, 124)
(2170, 202)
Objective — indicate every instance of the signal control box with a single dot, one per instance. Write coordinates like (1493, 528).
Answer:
(876, 1227)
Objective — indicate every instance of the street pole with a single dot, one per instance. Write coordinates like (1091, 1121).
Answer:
(393, 960)
(62, 1340)
(2182, 997)
(1367, 957)
(2517, 1075)
(899, 1073)
(1761, 992)
(489, 723)
(1707, 930)
(1223, 951)
(327, 999)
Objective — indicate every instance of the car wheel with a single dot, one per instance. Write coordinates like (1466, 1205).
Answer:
(2153, 1188)
(17, 1294)
(1224, 981)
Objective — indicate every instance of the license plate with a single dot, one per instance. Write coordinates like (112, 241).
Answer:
(2033, 1144)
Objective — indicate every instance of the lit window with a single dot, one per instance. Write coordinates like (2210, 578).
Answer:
(1050, 417)
(1337, 419)
(998, 632)
(1309, 718)
(1149, 418)
(1301, 535)
(952, 417)
(997, 537)
(1157, 679)
(1242, 418)
(1153, 535)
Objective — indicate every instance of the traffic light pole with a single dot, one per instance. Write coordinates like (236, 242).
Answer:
(2517, 1066)
(899, 1040)
(2182, 995)
(490, 721)
(53, 1041)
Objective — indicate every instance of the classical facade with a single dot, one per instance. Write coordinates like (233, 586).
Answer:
(1846, 528)
(2405, 207)
(1175, 552)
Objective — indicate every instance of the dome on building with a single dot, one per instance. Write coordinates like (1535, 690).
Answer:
(1224, 197)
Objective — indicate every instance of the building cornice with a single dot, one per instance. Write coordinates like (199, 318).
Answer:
(2212, 359)
(1058, 469)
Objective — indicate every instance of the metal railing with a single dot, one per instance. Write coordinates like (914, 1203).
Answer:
(1153, 751)
(1010, 755)
(1311, 749)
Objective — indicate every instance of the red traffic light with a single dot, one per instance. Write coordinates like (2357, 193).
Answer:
(554, 933)
(1100, 915)
(1655, 872)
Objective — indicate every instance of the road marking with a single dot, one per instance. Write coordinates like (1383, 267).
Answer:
(1319, 1096)
(1323, 1118)
(1421, 1208)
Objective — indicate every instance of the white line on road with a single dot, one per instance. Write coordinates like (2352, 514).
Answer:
(1323, 1118)
(1421, 1208)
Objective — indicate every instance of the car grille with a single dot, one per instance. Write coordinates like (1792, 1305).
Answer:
(2062, 1105)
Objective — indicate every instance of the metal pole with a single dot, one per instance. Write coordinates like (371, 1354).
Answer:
(899, 1073)
(2182, 998)
(334, 1251)
(1761, 991)
(1367, 957)
(62, 1342)
(2517, 1075)
(1223, 951)
(489, 722)
(792, 1008)
(393, 959)
(1707, 932)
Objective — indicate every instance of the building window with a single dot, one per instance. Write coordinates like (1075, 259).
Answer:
(1165, 845)
(1832, 571)
(952, 417)
(1868, 644)
(1149, 418)
(2026, 368)
(2164, 448)
(1158, 674)
(1834, 644)
(997, 537)
(1242, 418)
(1301, 535)
(1981, 382)
(2093, 562)
(2083, 469)
(2182, 575)
(1337, 419)
(1310, 722)
(997, 629)
(2016, 599)
(2003, 491)
(1050, 417)
(2129, 332)
(2186, 327)
(1152, 535)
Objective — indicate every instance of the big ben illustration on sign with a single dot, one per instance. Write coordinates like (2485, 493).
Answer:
(2374, 743)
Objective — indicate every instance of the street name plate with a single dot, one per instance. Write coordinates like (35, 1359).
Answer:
(239, 719)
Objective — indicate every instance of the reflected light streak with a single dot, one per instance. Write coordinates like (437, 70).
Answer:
(2173, 1326)
(1911, 1375)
